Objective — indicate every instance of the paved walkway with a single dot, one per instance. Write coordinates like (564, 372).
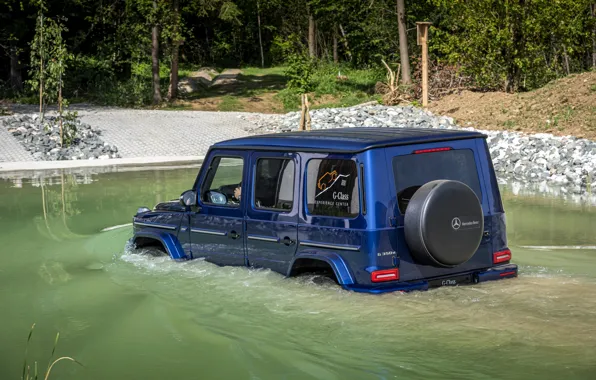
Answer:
(147, 133)
(10, 148)
(144, 133)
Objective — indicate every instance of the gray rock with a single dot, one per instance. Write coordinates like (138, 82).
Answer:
(42, 138)
(533, 158)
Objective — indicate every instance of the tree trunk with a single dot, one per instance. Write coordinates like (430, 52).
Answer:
(155, 59)
(311, 36)
(345, 40)
(208, 44)
(518, 50)
(566, 60)
(594, 36)
(173, 90)
(16, 80)
(260, 40)
(41, 56)
(322, 48)
(335, 55)
(403, 43)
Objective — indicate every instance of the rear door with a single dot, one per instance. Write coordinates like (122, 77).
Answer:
(272, 210)
(415, 165)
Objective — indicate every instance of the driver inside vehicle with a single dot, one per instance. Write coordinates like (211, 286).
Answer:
(229, 194)
(238, 192)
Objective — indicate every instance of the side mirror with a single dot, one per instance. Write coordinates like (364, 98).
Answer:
(188, 198)
(217, 198)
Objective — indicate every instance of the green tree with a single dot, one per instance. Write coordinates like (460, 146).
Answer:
(49, 60)
(512, 44)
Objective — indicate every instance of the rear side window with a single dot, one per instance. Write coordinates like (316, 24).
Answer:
(274, 184)
(414, 170)
(332, 188)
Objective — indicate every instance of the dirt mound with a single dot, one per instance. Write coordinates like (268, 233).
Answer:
(563, 107)
(196, 80)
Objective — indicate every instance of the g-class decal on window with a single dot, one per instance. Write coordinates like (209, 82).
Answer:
(332, 188)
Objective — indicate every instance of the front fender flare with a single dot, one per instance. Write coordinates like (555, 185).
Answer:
(337, 263)
(169, 242)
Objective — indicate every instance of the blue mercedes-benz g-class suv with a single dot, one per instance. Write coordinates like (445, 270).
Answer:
(379, 209)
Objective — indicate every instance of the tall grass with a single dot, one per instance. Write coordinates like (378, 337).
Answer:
(33, 374)
(336, 86)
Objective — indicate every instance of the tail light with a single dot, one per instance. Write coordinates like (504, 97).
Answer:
(501, 256)
(431, 150)
(385, 275)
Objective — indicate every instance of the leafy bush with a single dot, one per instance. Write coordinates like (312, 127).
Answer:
(289, 98)
(285, 46)
(90, 75)
(299, 72)
(328, 88)
(69, 127)
(97, 80)
(135, 92)
(513, 45)
(326, 79)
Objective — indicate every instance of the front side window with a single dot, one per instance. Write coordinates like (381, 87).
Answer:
(223, 184)
(332, 188)
(274, 184)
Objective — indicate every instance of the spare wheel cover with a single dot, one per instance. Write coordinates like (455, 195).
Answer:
(444, 223)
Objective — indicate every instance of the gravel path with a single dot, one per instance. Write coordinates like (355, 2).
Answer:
(144, 133)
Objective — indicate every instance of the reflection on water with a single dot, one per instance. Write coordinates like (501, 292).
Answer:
(64, 265)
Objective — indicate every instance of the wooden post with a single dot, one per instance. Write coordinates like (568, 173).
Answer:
(301, 125)
(304, 114)
(307, 116)
(422, 37)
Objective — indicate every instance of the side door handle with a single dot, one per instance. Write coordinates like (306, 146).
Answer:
(234, 235)
(287, 241)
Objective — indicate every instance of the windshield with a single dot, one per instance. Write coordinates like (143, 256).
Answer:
(414, 170)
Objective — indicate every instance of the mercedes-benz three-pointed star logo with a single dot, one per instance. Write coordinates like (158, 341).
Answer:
(455, 223)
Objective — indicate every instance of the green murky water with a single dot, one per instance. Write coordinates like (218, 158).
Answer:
(130, 316)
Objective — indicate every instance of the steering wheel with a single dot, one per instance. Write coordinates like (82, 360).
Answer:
(228, 191)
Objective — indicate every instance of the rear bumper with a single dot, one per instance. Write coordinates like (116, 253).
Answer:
(464, 278)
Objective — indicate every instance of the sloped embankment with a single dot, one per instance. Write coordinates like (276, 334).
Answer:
(563, 107)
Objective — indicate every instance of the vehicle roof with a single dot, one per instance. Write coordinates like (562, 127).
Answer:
(345, 140)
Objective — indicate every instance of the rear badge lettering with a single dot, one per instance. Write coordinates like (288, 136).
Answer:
(389, 253)
(449, 282)
(457, 224)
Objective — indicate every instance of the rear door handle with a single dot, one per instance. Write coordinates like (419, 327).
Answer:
(234, 235)
(287, 241)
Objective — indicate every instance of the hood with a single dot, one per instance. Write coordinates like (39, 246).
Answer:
(173, 205)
